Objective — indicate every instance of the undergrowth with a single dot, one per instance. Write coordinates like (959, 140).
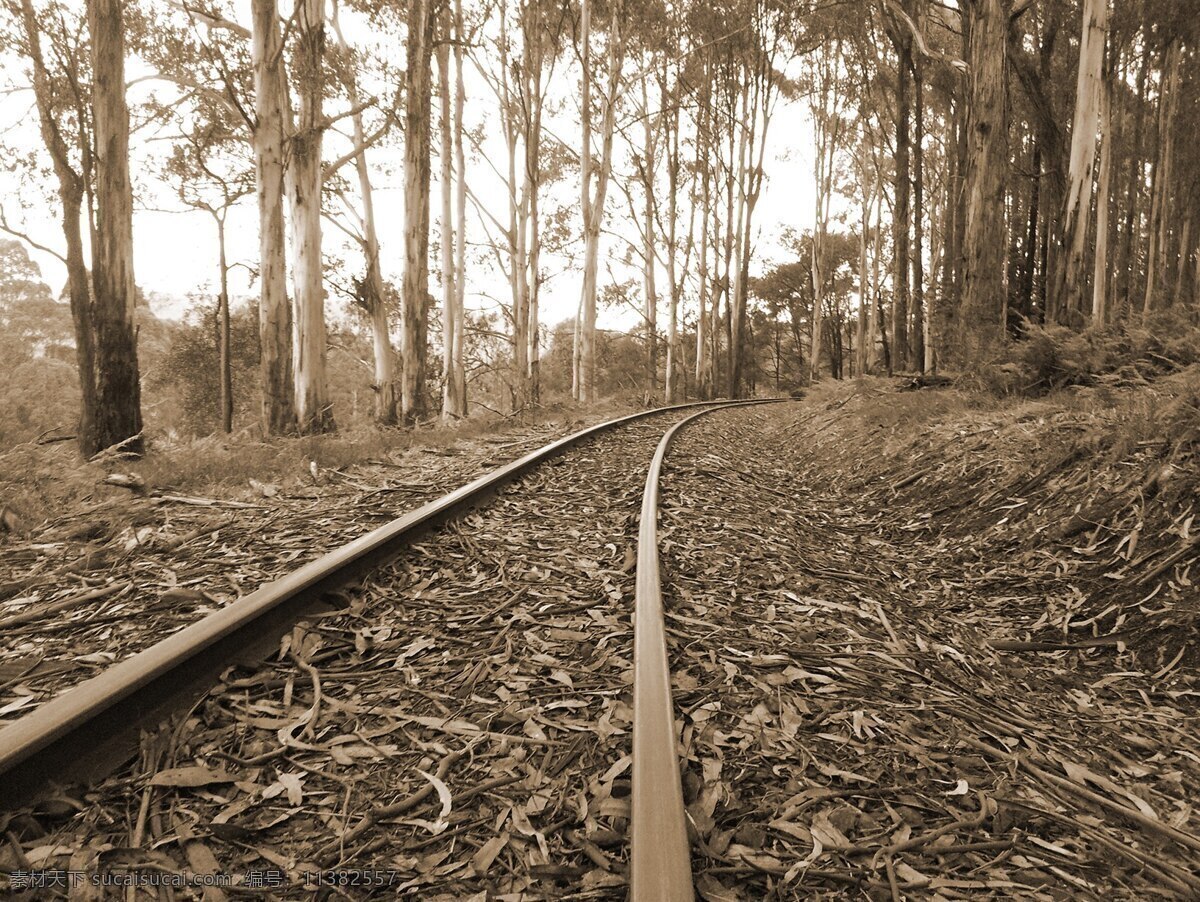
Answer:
(39, 483)
(1078, 507)
(1049, 358)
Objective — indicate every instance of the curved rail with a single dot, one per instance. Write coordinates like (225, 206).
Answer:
(660, 863)
(86, 732)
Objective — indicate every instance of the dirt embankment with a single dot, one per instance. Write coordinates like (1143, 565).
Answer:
(1074, 514)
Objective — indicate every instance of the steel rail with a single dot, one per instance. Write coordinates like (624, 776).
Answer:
(89, 730)
(660, 861)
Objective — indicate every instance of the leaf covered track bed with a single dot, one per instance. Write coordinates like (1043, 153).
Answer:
(85, 591)
(464, 722)
(848, 730)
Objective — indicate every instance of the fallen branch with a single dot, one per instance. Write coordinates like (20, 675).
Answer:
(330, 854)
(1110, 641)
(63, 605)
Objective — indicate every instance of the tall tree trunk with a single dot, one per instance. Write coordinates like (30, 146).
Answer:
(1071, 274)
(1156, 256)
(449, 276)
(460, 266)
(737, 312)
(826, 111)
(417, 128)
(593, 201)
(511, 110)
(918, 257)
(984, 241)
(224, 363)
(534, 101)
(877, 316)
(577, 349)
(274, 309)
(70, 192)
(1029, 266)
(703, 322)
(670, 376)
(817, 275)
(1103, 203)
(860, 359)
(874, 322)
(118, 415)
(650, 302)
(901, 212)
(1126, 263)
(732, 227)
(313, 412)
(1037, 81)
(384, 388)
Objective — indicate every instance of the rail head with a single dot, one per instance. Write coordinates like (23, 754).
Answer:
(85, 732)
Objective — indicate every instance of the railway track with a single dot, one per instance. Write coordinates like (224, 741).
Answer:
(509, 616)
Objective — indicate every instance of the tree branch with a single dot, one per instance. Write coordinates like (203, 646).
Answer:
(212, 19)
(4, 226)
(919, 38)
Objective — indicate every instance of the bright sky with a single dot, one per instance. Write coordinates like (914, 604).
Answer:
(176, 253)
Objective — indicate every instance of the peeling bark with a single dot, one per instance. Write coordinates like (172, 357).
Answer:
(274, 311)
(118, 414)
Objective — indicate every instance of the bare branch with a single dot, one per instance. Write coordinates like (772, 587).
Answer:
(919, 38)
(210, 18)
(4, 226)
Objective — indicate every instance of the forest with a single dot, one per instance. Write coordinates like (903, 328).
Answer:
(973, 175)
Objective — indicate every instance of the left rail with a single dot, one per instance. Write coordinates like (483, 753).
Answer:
(89, 730)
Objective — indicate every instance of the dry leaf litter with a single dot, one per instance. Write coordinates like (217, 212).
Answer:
(851, 731)
(86, 590)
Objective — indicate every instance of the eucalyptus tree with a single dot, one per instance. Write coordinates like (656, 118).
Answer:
(672, 95)
(212, 173)
(595, 173)
(988, 22)
(422, 19)
(207, 56)
(286, 128)
(765, 48)
(79, 91)
(453, 226)
(59, 85)
(269, 139)
(830, 130)
(1072, 280)
(518, 59)
(370, 289)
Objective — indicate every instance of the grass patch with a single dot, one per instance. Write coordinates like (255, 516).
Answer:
(41, 483)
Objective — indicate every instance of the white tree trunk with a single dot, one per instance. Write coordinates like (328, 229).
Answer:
(593, 202)
(313, 413)
(1083, 153)
(384, 388)
(449, 276)
(1100, 272)
(274, 310)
